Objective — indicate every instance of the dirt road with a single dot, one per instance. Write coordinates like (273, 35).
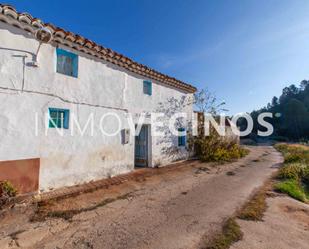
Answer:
(173, 210)
(285, 225)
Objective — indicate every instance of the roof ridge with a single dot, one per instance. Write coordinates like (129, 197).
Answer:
(27, 22)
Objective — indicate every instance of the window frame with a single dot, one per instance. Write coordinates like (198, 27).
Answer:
(181, 138)
(74, 58)
(147, 87)
(64, 123)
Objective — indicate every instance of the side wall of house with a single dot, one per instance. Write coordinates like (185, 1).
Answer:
(27, 92)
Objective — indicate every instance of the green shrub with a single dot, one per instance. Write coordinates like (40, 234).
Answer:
(243, 152)
(292, 158)
(294, 152)
(292, 171)
(281, 147)
(220, 154)
(305, 176)
(7, 189)
(295, 171)
(292, 188)
(214, 148)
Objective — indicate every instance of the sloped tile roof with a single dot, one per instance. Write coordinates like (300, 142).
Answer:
(25, 21)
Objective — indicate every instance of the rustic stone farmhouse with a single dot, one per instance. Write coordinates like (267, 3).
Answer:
(67, 74)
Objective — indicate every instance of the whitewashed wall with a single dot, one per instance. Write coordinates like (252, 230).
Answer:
(68, 160)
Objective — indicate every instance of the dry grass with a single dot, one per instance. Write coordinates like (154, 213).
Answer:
(43, 211)
(254, 209)
(294, 152)
(230, 234)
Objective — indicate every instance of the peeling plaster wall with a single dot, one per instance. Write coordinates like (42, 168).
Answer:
(100, 88)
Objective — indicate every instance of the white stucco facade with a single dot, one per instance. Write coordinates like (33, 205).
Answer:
(26, 93)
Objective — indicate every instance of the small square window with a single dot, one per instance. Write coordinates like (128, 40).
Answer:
(67, 63)
(147, 87)
(59, 118)
(181, 138)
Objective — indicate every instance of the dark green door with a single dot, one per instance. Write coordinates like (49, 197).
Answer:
(141, 148)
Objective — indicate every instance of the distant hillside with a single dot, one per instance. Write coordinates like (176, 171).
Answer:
(290, 111)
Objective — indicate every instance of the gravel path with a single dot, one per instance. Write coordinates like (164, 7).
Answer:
(172, 211)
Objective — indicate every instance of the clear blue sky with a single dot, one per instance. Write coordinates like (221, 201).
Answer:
(243, 51)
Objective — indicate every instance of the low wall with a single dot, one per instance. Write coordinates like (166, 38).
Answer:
(23, 174)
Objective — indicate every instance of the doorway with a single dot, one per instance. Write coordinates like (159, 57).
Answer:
(141, 147)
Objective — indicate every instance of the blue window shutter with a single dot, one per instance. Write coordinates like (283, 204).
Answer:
(59, 118)
(147, 87)
(75, 66)
(52, 118)
(67, 63)
(150, 88)
(66, 119)
(181, 138)
(60, 63)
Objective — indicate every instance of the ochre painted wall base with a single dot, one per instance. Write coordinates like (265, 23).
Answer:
(23, 174)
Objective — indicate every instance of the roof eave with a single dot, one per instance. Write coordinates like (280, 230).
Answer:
(26, 22)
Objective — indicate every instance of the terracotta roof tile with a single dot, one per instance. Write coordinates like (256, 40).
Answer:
(25, 21)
